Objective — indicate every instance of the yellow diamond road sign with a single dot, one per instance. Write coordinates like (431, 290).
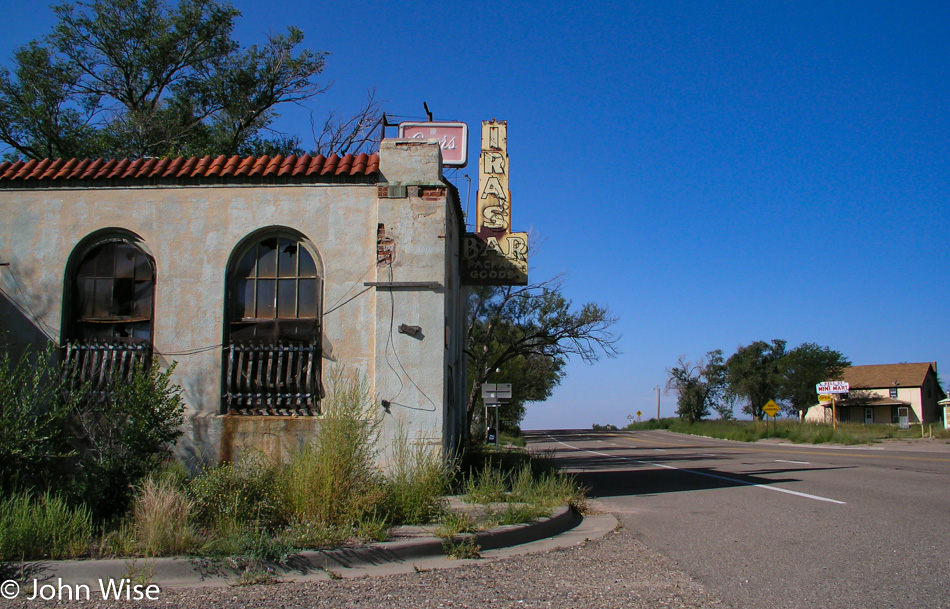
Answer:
(770, 408)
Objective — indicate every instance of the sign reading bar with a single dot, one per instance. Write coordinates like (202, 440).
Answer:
(493, 254)
(828, 387)
(453, 139)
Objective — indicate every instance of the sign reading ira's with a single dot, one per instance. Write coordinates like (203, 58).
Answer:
(494, 254)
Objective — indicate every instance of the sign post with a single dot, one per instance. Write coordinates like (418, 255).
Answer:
(494, 394)
(833, 388)
(770, 409)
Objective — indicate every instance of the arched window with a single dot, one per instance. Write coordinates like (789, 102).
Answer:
(110, 283)
(273, 328)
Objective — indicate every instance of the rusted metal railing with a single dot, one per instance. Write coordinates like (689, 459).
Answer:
(275, 379)
(98, 361)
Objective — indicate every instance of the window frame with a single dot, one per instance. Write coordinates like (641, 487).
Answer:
(73, 322)
(290, 337)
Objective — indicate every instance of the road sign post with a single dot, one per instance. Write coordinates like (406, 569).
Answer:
(770, 409)
(494, 394)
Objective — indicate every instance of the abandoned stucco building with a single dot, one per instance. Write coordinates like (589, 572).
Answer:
(258, 276)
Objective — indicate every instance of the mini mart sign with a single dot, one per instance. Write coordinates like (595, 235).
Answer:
(829, 387)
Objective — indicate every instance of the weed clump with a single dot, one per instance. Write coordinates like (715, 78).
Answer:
(43, 526)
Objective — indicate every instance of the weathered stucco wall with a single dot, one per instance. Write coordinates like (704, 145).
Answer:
(192, 231)
(411, 370)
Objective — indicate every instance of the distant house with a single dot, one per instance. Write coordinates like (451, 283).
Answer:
(884, 394)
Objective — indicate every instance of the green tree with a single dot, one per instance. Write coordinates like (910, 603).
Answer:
(513, 329)
(804, 367)
(130, 78)
(753, 374)
(533, 379)
(700, 387)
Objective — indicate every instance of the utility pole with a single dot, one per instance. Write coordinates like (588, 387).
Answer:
(658, 403)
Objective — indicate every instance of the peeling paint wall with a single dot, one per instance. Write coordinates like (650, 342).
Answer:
(192, 231)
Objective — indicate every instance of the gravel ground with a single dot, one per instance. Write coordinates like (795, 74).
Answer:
(615, 571)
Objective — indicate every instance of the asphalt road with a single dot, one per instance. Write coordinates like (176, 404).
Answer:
(779, 525)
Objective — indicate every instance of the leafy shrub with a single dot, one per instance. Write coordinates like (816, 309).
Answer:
(489, 485)
(125, 435)
(334, 481)
(416, 484)
(42, 527)
(35, 404)
(237, 494)
(245, 540)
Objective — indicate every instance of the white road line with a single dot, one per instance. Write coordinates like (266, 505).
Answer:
(795, 462)
(706, 474)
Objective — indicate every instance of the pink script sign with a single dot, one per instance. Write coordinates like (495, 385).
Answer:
(453, 138)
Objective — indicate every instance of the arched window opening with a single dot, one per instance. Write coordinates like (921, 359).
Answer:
(108, 329)
(274, 335)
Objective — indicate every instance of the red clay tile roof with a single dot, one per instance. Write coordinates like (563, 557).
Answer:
(886, 375)
(193, 167)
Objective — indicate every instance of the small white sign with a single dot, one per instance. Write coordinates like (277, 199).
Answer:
(828, 387)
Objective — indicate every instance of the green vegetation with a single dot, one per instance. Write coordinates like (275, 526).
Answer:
(524, 335)
(504, 486)
(701, 386)
(134, 78)
(515, 476)
(35, 405)
(91, 449)
(793, 431)
(44, 526)
(417, 483)
(511, 439)
(753, 375)
(125, 435)
(249, 512)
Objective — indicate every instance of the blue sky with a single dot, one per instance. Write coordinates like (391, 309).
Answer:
(714, 172)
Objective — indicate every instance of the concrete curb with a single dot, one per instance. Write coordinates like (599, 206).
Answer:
(185, 572)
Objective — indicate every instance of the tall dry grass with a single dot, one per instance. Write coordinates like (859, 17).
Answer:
(160, 519)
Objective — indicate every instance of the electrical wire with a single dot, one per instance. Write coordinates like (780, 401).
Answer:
(347, 301)
(390, 341)
(338, 304)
